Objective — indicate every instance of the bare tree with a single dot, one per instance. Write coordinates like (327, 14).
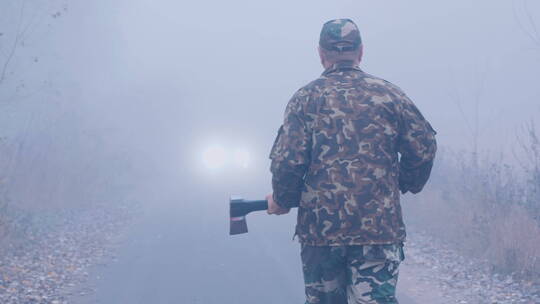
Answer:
(526, 20)
(529, 160)
(19, 19)
(471, 117)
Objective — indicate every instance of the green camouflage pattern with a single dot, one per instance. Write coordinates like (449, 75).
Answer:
(336, 157)
(351, 274)
(340, 35)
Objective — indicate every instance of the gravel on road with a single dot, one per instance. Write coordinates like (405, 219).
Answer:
(440, 269)
(51, 253)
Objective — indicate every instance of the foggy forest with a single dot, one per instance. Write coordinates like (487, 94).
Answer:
(126, 127)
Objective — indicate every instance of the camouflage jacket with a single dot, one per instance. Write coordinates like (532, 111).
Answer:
(349, 143)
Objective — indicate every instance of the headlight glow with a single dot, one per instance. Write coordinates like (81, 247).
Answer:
(214, 157)
(242, 158)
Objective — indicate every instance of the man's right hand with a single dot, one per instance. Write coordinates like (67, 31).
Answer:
(274, 208)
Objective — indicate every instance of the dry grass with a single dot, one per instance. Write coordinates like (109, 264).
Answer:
(509, 238)
(515, 243)
(487, 211)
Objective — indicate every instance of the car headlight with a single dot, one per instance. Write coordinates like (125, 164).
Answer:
(242, 158)
(214, 157)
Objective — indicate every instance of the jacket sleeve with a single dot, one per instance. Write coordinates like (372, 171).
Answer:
(417, 146)
(290, 154)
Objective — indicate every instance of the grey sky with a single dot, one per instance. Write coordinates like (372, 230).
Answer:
(161, 79)
(237, 58)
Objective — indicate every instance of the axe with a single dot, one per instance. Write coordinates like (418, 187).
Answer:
(239, 208)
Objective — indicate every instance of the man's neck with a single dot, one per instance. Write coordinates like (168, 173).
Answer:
(343, 64)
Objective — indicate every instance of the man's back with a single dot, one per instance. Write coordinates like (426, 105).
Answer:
(349, 127)
(349, 143)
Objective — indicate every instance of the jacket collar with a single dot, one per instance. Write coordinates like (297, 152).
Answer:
(341, 66)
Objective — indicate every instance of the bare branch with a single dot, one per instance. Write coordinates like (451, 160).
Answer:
(456, 99)
(534, 29)
(530, 29)
(18, 35)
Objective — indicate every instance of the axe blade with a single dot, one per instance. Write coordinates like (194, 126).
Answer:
(238, 225)
(238, 209)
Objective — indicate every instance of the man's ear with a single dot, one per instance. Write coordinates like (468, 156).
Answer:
(361, 53)
(321, 55)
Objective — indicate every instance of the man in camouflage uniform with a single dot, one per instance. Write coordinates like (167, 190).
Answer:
(349, 144)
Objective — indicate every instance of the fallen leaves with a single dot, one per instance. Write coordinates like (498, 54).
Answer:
(52, 259)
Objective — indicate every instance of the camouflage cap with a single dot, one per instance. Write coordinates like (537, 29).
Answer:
(340, 35)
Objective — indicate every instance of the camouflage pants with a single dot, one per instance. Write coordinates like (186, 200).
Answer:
(351, 274)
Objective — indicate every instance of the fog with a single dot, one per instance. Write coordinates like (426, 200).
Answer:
(117, 102)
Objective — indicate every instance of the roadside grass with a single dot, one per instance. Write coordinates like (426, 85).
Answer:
(487, 209)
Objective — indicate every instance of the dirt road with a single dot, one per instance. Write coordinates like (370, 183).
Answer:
(181, 253)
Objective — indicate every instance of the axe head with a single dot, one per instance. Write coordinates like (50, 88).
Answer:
(238, 224)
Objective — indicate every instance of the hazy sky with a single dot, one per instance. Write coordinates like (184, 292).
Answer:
(240, 61)
(162, 79)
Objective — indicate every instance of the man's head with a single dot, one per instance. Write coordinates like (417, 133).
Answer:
(340, 41)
